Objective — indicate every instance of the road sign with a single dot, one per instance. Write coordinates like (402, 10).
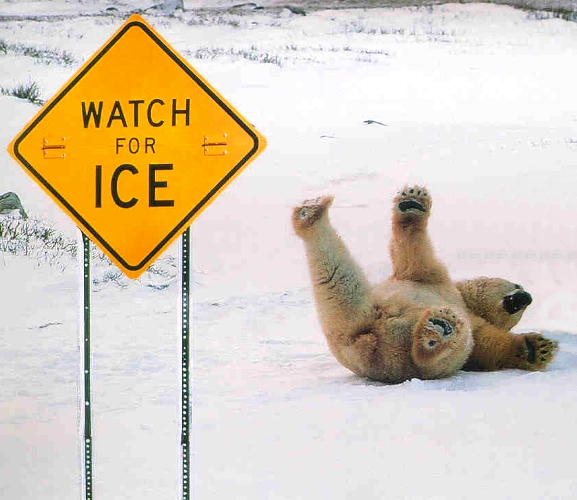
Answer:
(135, 145)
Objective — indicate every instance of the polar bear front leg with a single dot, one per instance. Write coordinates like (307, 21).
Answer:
(411, 249)
(442, 342)
(341, 289)
(497, 349)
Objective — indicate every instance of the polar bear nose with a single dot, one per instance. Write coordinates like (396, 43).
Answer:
(516, 301)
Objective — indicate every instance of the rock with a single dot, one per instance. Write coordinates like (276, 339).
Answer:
(10, 201)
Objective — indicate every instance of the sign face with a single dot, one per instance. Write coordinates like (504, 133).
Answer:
(135, 146)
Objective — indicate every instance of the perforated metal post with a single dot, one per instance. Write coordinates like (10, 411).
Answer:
(185, 368)
(87, 403)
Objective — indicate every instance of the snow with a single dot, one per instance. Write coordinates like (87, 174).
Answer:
(475, 101)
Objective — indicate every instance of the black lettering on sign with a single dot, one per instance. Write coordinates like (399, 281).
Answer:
(114, 186)
(149, 143)
(134, 145)
(185, 112)
(153, 185)
(149, 112)
(116, 114)
(98, 186)
(91, 112)
(120, 143)
(119, 114)
(136, 103)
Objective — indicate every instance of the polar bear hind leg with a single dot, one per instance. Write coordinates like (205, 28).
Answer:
(441, 343)
(342, 291)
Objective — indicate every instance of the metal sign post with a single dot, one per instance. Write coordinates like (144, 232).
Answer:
(86, 397)
(185, 403)
(185, 372)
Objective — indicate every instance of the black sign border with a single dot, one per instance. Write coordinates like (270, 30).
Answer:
(181, 226)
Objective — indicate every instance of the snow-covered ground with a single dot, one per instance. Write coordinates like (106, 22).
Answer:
(476, 101)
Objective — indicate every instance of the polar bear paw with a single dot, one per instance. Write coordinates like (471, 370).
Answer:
(534, 352)
(436, 329)
(441, 342)
(439, 327)
(310, 211)
(412, 203)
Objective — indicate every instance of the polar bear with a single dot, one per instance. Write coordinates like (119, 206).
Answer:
(417, 323)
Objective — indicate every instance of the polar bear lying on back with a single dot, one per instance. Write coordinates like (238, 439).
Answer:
(417, 323)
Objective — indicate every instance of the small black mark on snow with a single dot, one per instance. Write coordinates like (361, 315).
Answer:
(50, 323)
(375, 122)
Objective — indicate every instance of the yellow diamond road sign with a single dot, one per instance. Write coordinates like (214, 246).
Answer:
(135, 146)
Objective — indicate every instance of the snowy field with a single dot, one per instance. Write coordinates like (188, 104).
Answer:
(478, 102)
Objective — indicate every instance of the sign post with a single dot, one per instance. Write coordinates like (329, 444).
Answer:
(86, 409)
(133, 148)
(85, 356)
(185, 392)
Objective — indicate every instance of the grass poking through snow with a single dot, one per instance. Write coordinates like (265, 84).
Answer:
(43, 55)
(29, 91)
(35, 238)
